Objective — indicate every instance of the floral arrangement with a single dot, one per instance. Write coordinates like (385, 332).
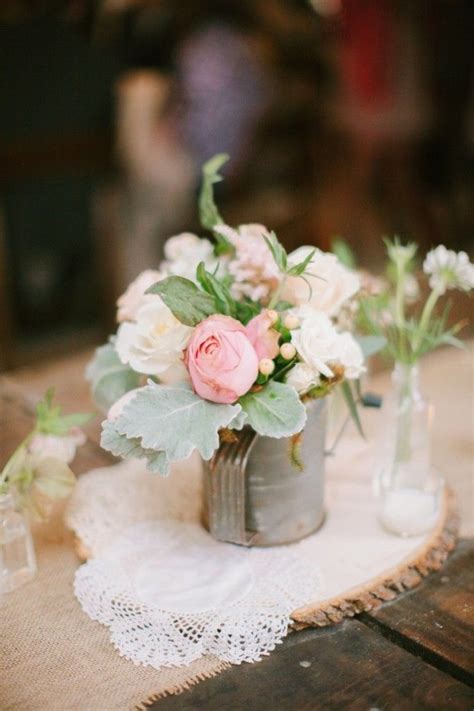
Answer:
(227, 332)
(410, 326)
(38, 471)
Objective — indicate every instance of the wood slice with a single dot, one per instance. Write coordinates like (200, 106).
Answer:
(409, 573)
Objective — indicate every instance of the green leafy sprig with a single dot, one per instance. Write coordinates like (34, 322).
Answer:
(408, 336)
(39, 480)
(286, 270)
(208, 213)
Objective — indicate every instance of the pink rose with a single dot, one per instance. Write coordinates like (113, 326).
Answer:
(263, 337)
(221, 360)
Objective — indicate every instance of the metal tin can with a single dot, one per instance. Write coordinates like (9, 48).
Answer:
(254, 495)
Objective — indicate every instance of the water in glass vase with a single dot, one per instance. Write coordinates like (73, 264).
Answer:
(17, 555)
(408, 489)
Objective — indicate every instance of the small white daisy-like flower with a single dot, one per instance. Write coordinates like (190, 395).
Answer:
(449, 270)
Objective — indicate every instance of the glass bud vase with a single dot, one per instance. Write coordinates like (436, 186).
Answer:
(17, 554)
(409, 491)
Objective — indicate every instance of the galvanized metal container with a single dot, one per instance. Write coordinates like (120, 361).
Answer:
(255, 496)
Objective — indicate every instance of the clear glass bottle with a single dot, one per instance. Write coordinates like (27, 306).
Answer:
(17, 554)
(409, 490)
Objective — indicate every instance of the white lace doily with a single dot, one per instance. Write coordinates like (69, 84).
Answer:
(169, 593)
(167, 590)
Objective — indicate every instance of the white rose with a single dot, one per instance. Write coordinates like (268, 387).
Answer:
(185, 251)
(134, 297)
(348, 353)
(155, 342)
(331, 283)
(315, 341)
(302, 377)
(58, 447)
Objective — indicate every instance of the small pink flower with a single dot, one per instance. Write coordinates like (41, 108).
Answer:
(221, 360)
(263, 337)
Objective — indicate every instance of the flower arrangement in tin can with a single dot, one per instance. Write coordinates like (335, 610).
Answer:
(228, 331)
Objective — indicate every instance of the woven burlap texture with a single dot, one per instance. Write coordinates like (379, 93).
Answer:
(53, 657)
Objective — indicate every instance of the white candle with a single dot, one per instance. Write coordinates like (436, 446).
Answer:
(409, 512)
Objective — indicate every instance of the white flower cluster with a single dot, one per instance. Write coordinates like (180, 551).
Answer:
(449, 270)
(327, 284)
(320, 348)
(150, 339)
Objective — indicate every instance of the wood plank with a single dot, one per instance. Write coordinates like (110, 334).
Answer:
(436, 620)
(344, 667)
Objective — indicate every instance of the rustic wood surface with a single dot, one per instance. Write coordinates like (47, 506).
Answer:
(438, 618)
(415, 652)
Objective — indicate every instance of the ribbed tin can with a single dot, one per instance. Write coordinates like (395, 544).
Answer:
(255, 496)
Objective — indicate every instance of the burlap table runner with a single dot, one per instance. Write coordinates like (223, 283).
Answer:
(53, 657)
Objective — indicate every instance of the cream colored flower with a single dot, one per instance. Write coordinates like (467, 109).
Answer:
(253, 267)
(349, 355)
(185, 251)
(316, 340)
(57, 447)
(331, 283)
(134, 297)
(155, 342)
(302, 378)
(449, 270)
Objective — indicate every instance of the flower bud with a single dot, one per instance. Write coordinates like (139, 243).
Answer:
(272, 315)
(266, 366)
(287, 351)
(291, 322)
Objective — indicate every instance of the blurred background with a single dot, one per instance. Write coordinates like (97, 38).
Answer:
(349, 118)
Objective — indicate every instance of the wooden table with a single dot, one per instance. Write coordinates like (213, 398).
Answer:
(416, 652)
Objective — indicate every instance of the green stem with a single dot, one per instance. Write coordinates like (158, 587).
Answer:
(400, 310)
(425, 317)
(276, 296)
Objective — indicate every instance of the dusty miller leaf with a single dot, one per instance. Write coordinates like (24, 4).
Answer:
(173, 419)
(274, 411)
(109, 377)
(120, 446)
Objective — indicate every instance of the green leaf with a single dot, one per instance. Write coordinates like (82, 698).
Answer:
(352, 405)
(246, 310)
(188, 303)
(208, 212)
(283, 306)
(370, 345)
(274, 411)
(174, 420)
(344, 253)
(278, 251)
(49, 419)
(64, 423)
(121, 446)
(109, 377)
(220, 292)
(300, 268)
